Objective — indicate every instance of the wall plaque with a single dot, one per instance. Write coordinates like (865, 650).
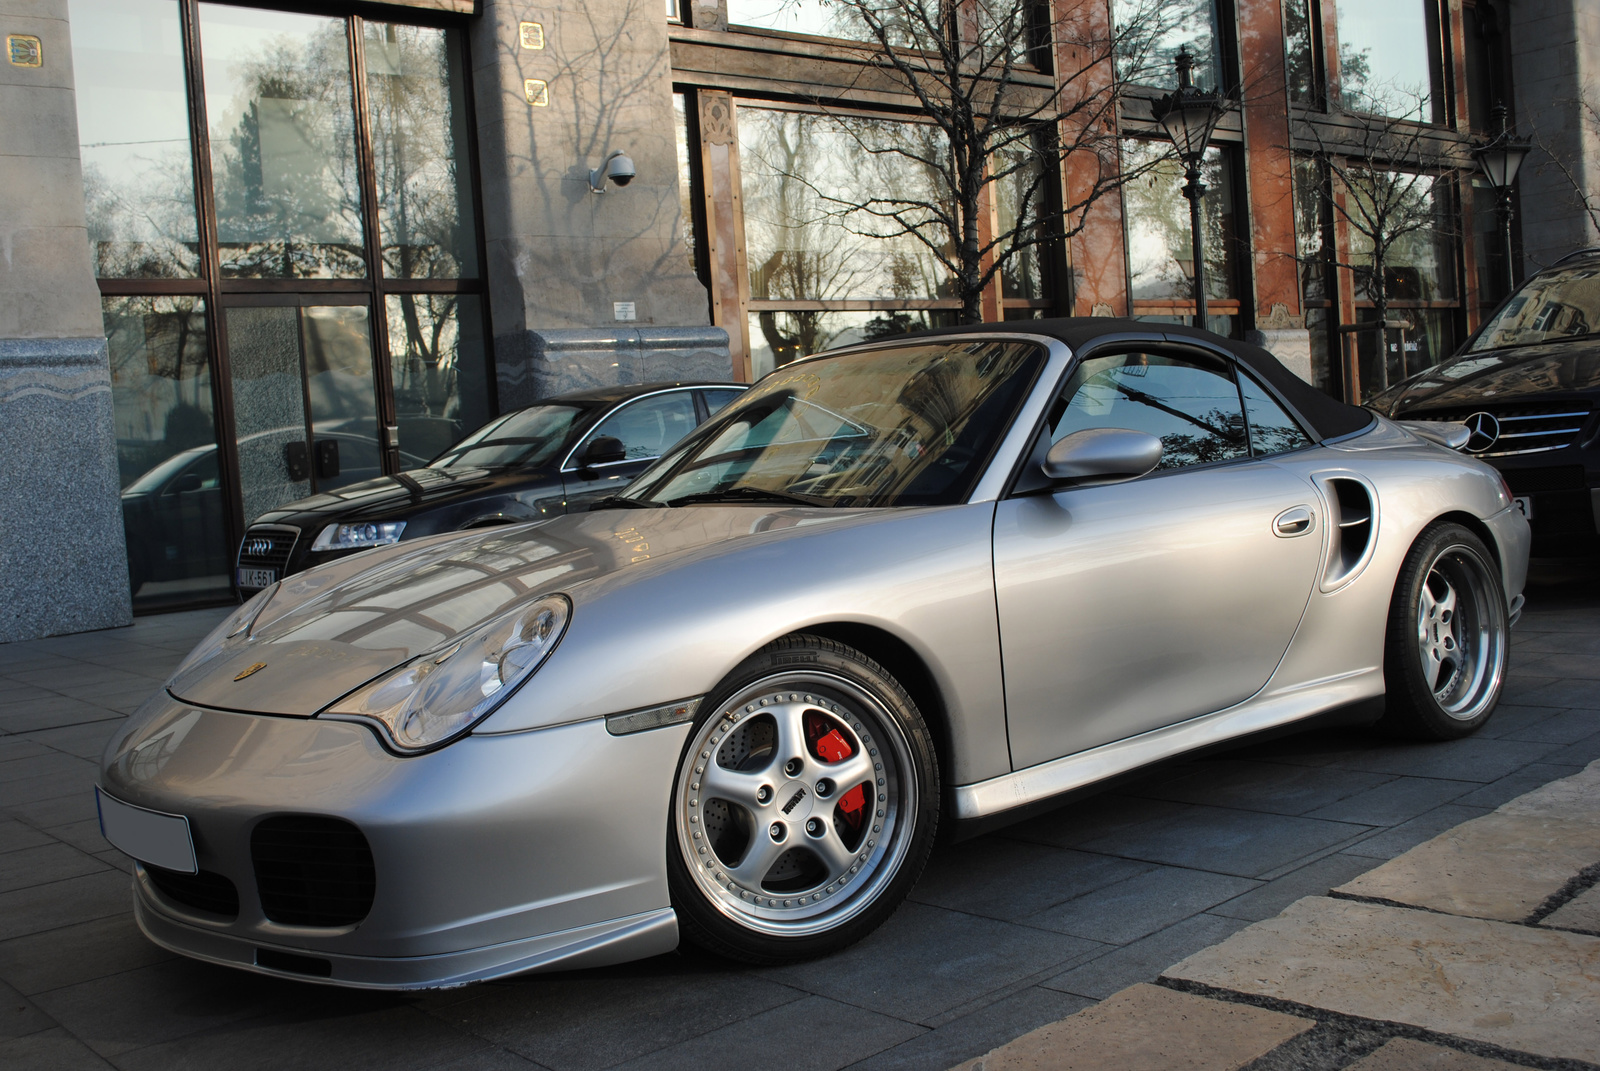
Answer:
(532, 35)
(538, 92)
(24, 50)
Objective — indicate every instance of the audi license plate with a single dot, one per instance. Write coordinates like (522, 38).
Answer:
(1525, 505)
(257, 578)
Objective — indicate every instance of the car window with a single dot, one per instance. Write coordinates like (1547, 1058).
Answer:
(1564, 303)
(649, 426)
(716, 399)
(530, 436)
(205, 466)
(1192, 408)
(1272, 430)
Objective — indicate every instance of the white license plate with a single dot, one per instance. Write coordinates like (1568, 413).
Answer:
(257, 578)
(1525, 505)
(149, 836)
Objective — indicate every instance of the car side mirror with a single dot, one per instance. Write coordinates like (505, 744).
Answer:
(1101, 455)
(604, 450)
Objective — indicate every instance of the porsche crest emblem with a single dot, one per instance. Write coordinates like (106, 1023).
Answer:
(257, 668)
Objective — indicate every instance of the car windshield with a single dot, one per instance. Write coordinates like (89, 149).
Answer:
(1564, 303)
(912, 425)
(527, 437)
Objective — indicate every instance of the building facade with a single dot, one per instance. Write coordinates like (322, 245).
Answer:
(255, 251)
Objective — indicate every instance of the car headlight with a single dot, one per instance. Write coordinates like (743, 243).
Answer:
(440, 695)
(356, 536)
(233, 632)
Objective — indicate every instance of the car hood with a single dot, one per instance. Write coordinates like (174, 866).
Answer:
(386, 495)
(1499, 375)
(327, 631)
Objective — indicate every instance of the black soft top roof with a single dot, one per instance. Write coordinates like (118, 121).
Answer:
(1329, 418)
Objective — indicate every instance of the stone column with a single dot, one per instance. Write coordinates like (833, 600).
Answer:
(1555, 62)
(63, 562)
(585, 288)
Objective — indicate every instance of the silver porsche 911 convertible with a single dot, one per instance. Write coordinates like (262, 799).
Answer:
(923, 584)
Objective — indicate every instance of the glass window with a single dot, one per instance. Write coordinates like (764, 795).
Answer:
(680, 118)
(283, 151)
(1160, 241)
(1150, 33)
(172, 505)
(439, 368)
(1389, 60)
(1193, 410)
(133, 134)
(1299, 51)
(1559, 304)
(528, 437)
(888, 427)
(416, 95)
(822, 18)
(778, 337)
(1428, 338)
(1019, 197)
(650, 426)
(716, 399)
(1310, 185)
(1272, 430)
(1411, 214)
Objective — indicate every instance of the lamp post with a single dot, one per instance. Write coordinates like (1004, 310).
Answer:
(1500, 160)
(1190, 116)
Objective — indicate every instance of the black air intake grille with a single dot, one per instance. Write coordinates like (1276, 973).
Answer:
(267, 548)
(1524, 429)
(205, 891)
(312, 871)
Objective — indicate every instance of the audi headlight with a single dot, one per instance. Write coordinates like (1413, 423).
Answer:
(440, 695)
(356, 536)
(233, 632)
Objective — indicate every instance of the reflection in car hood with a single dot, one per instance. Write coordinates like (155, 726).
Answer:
(332, 629)
(1500, 375)
(385, 494)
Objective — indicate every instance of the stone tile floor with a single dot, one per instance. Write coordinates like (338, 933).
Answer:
(1005, 933)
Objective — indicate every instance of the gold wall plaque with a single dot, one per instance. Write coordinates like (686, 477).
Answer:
(538, 92)
(24, 50)
(533, 35)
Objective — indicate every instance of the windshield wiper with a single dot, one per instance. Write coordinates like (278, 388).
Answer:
(750, 494)
(620, 502)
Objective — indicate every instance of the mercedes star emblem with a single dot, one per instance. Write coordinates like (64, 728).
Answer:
(1484, 428)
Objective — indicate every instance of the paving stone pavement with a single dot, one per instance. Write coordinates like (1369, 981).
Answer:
(1006, 933)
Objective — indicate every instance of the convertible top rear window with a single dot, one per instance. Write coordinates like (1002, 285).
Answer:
(911, 425)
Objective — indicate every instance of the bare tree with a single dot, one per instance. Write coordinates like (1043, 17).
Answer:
(1391, 185)
(972, 67)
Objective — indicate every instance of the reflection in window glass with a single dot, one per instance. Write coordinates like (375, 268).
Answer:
(1299, 56)
(416, 97)
(1160, 242)
(805, 180)
(822, 18)
(172, 504)
(278, 99)
(1310, 185)
(1020, 192)
(1272, 431)
(529, 437)
(437, 363)
(1430, 338)
(1419, 264)
(680, 118)
(650, 426)
(1552, 305)
(776, 338)
(133, 134)
(1388, 57)
(1194, 411)
(1150, 33)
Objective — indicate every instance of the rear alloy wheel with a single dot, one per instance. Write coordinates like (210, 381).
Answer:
(1449, 637)
(804, 807)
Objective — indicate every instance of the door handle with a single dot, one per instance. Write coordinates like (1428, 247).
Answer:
(1293, 521)
(327, 458)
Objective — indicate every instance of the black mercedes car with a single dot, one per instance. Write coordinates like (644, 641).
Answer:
(551, 458)
(1527, 385)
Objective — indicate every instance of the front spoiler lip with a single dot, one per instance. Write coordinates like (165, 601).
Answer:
(617, 940)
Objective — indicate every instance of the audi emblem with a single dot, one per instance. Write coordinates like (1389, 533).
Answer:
(1484, 429)
(258, 546)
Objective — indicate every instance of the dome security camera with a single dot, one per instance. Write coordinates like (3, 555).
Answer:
(618, 168)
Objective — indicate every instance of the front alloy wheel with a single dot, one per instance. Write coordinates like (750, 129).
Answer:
(804, 806)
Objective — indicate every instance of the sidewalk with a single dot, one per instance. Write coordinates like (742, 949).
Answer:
(1474, 951)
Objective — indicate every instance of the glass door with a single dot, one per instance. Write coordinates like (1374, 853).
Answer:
(304, 400)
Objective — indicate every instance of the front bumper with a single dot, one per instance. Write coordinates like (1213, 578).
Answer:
(497, 854)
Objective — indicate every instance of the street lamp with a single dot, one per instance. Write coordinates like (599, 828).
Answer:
(1190, 116)
(1500, 160)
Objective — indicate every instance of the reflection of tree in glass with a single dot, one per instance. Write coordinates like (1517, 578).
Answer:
(288, 201)
(1160, 243)
(1220, 437)
(141, 221)
(1149, 36)
(160, 380)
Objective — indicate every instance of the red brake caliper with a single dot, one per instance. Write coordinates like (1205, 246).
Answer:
(830, 745)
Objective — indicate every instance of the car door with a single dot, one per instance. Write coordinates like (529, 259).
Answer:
(1130, 606)
(646, 426)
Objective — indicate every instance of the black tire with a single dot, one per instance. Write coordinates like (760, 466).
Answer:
(820, 864)
(1448, 639)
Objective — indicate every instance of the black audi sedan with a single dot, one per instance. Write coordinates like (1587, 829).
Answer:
(1527, 385)
(558, 456)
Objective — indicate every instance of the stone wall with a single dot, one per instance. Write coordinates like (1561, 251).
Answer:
(562, 259)
(63, 566)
